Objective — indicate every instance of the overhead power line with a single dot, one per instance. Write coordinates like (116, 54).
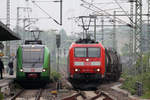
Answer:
(106, 13)
(50, 17)
(124, 11)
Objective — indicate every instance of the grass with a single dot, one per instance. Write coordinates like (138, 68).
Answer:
(1, 96)
(130, 81)
(55, 76)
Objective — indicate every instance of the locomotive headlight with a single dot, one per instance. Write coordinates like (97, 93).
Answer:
(76, 70)
(98, 69)
(33, 46)
(87, 59)
(21, 70)
(44, 70)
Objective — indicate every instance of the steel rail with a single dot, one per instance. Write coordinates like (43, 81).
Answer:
(15, 96)
(101, 94)
(38, 94)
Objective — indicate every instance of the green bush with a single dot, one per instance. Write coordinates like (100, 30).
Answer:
(129, 84)
(139, 73)
(1, 96)
(130, 81)
(55, 76)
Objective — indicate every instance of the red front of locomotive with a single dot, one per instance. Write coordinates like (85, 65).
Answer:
(86, 61)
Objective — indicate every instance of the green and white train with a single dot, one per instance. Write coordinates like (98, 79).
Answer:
(33, 64)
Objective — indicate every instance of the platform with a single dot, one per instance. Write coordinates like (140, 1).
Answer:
(6, 83)
(6, 79)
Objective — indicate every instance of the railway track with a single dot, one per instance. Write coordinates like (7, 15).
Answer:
(26, 94)
(90, 95)
(49, 92)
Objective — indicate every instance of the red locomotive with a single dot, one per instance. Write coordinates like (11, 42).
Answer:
(89, 60)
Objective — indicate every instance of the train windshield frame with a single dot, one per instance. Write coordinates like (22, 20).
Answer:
(32, 57)
(94, 52)
(80, 52)
(87, 52)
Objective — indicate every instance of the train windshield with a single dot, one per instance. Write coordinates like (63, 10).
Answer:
(80, 52)
(87, 52)
(33, 57)
(93, 52)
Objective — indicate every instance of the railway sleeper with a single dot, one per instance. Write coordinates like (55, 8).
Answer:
(73, 97)
(15, 96)
(103, 95)
(38, 95)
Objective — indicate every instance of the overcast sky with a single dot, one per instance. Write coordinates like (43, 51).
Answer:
(71, 8)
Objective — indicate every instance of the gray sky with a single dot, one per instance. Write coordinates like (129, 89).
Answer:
(71, 8)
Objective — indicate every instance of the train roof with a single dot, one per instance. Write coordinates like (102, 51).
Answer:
(31, 46)
(86, 45)
(86, 41)
(33, 42)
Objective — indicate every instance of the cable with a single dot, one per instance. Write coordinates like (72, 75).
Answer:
(108, 3)
(119, 20)
(46, 13)
(123, 10)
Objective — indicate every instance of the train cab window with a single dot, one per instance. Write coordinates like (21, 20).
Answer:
(33, 57)
(80, 52)
(93, 52)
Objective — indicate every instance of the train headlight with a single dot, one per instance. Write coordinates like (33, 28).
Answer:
(98, 69)
(76, 70)
(87, 59)
(21, 70)
(44, 70)
(33, 46)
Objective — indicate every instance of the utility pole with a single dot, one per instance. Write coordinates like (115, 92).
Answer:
(17, 25)
(8, 13)
(114, 32)
(58, 43)
(95, 28)
(138, 50)
(148, 33)
(61, 12)
(148, 25)
(102, 22)
(8, 25)
(131, 33)
(138, 31)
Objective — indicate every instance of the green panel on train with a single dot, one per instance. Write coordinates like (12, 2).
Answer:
(33, 63)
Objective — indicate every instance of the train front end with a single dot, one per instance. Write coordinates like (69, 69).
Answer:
(86, 62)
(33, 64)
